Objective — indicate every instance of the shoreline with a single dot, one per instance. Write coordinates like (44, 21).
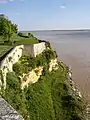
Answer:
(79, 75)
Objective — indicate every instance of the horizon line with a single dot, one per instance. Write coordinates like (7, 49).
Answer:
(58, 30)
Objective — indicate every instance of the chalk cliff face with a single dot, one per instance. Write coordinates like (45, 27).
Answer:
(53, 65)
(6, 65)
(58, 88)
(33, 76)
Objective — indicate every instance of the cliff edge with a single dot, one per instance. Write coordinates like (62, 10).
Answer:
(40, 87)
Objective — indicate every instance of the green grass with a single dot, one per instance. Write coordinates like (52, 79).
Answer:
(4, 49)
(22, 40)
(26, 41)
(51, 98)
(19, 40)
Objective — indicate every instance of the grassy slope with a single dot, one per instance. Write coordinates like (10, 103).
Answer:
(3, 49)
(22, 40)
(51, 98)
(19, 40)
(43, 102)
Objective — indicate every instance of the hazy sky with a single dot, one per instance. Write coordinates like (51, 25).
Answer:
(47, 14)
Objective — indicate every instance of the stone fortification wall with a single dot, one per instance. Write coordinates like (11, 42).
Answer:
(28, 50)
(33, 50)
(38, 48)
(6, 65)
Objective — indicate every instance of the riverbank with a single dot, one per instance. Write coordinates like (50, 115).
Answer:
(73, 48)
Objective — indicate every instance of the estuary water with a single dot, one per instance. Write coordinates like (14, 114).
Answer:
(73, 48)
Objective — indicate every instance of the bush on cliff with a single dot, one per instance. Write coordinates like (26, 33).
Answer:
(27, 63)
(23, 35)
(51, 98)
(26, 35)
(15, 96)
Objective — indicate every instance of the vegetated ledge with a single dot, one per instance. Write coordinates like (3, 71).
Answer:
(53, 97)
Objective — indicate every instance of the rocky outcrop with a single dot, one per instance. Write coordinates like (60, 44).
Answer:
(74, 88)
(34, 75)
(7, 112)
(53, 65)
(31, 77)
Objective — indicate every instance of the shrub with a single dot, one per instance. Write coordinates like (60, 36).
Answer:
(27, 63)
(47, 44)
(23, 35)
(49, 54)
(51, 98)
(15, 96)
(30, 35)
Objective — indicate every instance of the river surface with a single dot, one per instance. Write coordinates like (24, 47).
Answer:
(73, 48)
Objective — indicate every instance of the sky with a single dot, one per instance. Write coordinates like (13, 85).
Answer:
(47, 14)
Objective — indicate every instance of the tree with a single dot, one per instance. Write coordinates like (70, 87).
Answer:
(7, 28)
(14, 28)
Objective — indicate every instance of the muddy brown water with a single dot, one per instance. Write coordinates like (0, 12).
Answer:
(73, 48)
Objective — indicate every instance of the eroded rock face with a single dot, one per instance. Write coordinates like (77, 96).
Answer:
(71, 82)
(53, 65)
(31, 77)
(7, 112)
(9, 60)
(6, 65)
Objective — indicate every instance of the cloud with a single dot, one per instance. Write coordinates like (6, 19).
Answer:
(62, 6)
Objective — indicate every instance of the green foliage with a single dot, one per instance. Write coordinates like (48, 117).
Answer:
(27, 63)
(26, 35)
(23, 35)
(47, 44)
(1, 77)
(20, 68)
(51, 98)
(30, 35)
(49, 54)
(15, 96)
(7, 28)
(1, 84)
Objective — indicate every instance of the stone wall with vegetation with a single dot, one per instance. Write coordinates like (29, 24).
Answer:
(34, 49)
(6, 65)
(53, 97)
(29, 69)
